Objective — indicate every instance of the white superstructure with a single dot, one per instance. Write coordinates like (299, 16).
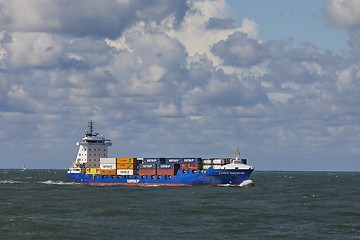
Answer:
(91, 149)
(237, 163)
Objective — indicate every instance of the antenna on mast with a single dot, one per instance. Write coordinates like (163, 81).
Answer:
(90, 125)
(237, 153)
(89, 133)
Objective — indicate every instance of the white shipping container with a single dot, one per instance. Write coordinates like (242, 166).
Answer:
(216, 166)
(107, 165)
(220, 161)
(207, 161)
(124, 172)
(206, 167)
(107, 160)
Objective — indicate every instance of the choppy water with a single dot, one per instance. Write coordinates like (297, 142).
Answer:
(42, 204)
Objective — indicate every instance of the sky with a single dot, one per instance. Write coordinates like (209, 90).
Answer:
(278, 79)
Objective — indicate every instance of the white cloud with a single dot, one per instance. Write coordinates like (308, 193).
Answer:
(172, 74)
(33, 50)
(195, 35)
(344, 13)
(279, 97)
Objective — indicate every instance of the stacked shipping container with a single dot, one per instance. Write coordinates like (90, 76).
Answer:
(168, 169)
(191, 163)
(215, 163)
(154, 166)
(125, 166)
(147, 169)
(107, 166)
(168, 166)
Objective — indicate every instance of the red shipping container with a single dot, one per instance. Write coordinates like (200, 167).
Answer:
(147, 172)
(189, 166)
(170, 171)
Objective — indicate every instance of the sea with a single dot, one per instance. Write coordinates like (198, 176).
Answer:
(43, 204)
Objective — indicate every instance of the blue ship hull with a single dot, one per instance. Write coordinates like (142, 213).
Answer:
(182, 178)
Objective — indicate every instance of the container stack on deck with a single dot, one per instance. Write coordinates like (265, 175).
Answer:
(108, 166)
(207, 163)
(125, 166)
(170, 166)
(149, 166)
(215, 163)
(191, 163)
(154, 166)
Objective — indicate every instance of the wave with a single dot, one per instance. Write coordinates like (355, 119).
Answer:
(228, 185)
(51, 182)
(9, 182)
(245, 184)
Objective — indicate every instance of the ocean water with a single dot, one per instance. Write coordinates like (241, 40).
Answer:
(42, 204)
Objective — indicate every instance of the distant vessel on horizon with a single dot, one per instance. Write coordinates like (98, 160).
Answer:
(23, 167)
(93, 166)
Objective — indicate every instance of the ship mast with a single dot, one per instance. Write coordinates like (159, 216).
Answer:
(237, 153)
(89, 133)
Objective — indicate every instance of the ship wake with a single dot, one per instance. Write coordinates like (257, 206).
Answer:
(51, 182)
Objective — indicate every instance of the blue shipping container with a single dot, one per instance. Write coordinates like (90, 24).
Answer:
(154, 160)
(148, 166)
(166, 166)
(191, 160)
(173, 160)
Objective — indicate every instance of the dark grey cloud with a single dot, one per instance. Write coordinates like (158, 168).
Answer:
(85, 18)
(225, 91)
(240, 51)
(354, 44)
(217, 23)
(307, 52)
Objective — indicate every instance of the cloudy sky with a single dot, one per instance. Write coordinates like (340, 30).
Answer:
(278, 79)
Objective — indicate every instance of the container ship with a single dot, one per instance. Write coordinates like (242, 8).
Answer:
(93, 166)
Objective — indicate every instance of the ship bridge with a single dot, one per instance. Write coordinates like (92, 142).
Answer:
(92, 148)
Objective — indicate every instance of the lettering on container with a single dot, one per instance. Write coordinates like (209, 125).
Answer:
(125, 171)
(189, 160)
(107, 165)
(173, 160)
(165, 166)
(148, 166)
(151, 160)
